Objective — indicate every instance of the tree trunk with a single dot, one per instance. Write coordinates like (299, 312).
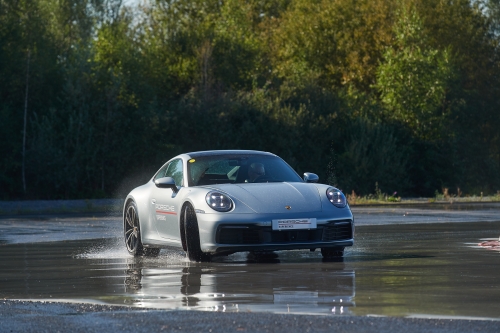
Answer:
(25, 119)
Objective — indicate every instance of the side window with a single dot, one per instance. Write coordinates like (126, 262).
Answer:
(174, 170)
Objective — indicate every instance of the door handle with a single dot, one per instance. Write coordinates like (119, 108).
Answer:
(153, 201)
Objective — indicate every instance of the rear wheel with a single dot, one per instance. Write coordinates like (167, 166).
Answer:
(132, 233)
(332, 252)
(192, 235)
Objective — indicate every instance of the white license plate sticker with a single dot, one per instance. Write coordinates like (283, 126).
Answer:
(291, 224)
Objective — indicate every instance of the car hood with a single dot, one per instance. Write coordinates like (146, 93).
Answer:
(275, 197)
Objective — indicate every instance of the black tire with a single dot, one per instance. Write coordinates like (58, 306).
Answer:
(332, 252)
(132, 233)
(192, 233)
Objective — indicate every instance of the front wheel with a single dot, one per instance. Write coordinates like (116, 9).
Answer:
(132, 233)
(192, 232)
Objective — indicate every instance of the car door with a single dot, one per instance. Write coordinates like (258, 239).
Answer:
(165, 208)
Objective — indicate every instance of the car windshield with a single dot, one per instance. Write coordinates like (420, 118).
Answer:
(237, 169)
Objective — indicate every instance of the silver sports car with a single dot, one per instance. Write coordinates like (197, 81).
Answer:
(214, 203)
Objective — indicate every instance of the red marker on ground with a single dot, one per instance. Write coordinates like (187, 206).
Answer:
(491, 245)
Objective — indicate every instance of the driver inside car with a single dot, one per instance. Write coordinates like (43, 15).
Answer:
(255, 170)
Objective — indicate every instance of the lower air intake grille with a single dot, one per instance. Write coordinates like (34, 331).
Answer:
(228, 235)
(337, 231)
(333, 231)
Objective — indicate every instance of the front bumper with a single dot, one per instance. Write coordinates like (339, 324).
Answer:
(221, 234)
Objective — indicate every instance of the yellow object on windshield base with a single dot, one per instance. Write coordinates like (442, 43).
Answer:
(192, 160)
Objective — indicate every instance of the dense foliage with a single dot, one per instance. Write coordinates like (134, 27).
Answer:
(96, 95)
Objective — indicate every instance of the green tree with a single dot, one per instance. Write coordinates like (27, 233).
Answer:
(334, 43)
(30, 80)
(414, 78)
(372, 152)
(467, 30)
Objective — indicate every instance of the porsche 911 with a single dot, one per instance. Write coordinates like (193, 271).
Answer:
(214, 203)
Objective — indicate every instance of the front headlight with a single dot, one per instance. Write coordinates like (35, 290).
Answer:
(336, 197)
(219, 202)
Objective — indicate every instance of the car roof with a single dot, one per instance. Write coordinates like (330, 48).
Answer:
(227, 152)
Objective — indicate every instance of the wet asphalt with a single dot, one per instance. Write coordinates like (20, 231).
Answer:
(18, 316)
(413, 268)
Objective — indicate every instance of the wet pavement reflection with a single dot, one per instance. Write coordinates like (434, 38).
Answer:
(397, 270)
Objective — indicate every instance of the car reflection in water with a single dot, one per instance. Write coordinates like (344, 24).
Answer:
(257, 287)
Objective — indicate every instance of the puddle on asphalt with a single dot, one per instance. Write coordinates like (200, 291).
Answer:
(396, 270)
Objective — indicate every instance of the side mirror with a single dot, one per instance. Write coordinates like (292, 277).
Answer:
(166, 182)
(310, 177)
